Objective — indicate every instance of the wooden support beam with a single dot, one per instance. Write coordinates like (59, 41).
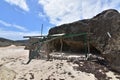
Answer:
(61, 42)
(34, 36)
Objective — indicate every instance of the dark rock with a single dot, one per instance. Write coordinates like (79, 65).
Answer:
(105, 39)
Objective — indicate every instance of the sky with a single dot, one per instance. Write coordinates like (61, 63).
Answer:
(20, 18)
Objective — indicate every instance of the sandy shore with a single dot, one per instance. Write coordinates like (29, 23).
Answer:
(12, 67)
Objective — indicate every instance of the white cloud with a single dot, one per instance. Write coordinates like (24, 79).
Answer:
(20, 3)
(65, 11)
(19, 27)
(60, 11)
(41, 15)
(15, 35)
(6, 24)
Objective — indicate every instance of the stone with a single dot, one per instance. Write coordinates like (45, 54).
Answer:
(104, 40)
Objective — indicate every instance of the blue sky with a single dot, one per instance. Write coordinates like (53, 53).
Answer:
(25, 17)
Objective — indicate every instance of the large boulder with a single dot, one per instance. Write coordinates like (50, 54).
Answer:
(105, 37)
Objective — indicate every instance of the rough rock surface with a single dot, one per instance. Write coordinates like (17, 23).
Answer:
(105, 38)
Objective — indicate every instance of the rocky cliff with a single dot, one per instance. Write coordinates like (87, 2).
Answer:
(105, 37)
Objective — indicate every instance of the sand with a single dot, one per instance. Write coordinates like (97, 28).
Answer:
(13, 67)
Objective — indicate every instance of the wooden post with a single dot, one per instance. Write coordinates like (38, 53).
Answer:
(41, 29)
(46, 48)
(61, 42)
(88, 40)
(88, 43)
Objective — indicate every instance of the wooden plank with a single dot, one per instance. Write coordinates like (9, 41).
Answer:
(56, 35)
(34, 36)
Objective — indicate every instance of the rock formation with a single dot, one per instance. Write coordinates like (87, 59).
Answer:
(105, 37)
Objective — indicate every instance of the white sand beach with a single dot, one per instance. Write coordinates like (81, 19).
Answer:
(13, 67)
